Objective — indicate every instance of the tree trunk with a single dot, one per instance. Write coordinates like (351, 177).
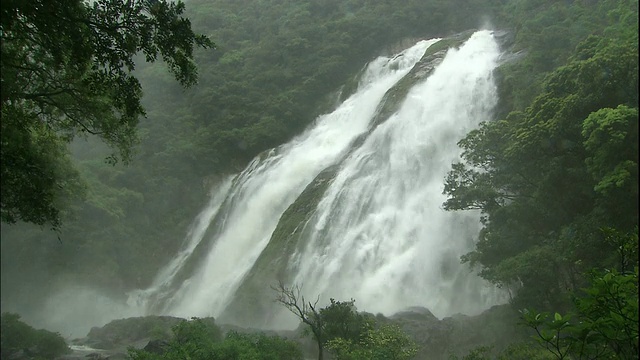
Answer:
(320, 355)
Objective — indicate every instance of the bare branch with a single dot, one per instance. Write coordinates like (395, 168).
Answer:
(294, 301)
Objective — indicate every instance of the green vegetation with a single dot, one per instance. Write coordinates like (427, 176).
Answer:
(517, 351)
(605, 325)
(67, 71)
(199, 340)
(346, 333)
(557, 183)
(548, 178)
(20, 339)
(382, 343)
(555, 175)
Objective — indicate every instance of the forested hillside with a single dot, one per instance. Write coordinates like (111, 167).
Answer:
(277, 65)
(555, 174)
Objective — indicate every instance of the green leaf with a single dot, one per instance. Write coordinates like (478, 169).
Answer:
(547, 335)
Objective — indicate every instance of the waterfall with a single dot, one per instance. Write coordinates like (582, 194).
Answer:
(161, 285)
(380, 234)
(257, 198)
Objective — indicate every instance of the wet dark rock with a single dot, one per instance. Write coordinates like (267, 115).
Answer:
(112, 340)
(459, 334)
(84, 353)
(505, 38)
(136, 332)
(416, 313)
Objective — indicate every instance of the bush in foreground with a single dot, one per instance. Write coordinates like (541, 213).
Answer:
(17, 337)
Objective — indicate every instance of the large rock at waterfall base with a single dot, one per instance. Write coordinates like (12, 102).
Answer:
(136, 332)
(457, 335)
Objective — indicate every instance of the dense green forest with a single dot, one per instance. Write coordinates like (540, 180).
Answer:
(555, 175)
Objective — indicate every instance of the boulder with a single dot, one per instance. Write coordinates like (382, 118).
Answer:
(135, 332)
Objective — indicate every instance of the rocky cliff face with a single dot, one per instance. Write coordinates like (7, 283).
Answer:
(459, 334)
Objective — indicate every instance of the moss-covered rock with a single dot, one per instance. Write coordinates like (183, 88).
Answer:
(432, 57)
(254, 297)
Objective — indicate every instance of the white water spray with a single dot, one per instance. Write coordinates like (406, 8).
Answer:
(259, 196)
(162, 284)
(380, 234)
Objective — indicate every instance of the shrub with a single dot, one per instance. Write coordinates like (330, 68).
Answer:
(16, 337)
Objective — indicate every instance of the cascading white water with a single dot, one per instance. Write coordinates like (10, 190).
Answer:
(161, 286)
(259, 195)
(380, 234)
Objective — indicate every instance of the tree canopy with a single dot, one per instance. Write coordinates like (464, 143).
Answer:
(604, 325)
(19, 340)
(201, 339)
(348, 334)
(551, 178)
(67, 71)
